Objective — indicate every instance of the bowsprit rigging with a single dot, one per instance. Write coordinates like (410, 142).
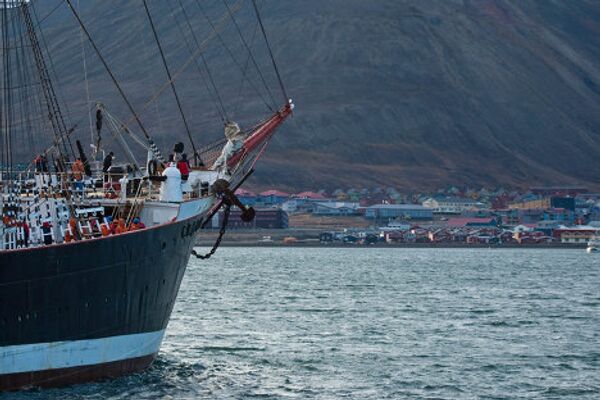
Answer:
(93, 248)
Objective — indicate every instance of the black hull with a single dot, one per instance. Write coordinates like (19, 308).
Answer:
(111, 287)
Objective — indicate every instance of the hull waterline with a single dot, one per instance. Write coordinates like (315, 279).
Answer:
(90, 310)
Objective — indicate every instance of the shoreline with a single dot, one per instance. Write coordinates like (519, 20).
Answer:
(398, 245)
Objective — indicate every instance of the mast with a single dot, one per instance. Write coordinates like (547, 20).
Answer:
(59, 127)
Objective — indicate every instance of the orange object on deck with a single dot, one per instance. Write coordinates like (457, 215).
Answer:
(121, 228)
(78, 170)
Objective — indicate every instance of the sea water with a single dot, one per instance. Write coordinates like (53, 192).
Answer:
(372, 323)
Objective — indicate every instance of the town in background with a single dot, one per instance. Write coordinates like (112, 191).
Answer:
(562, 216)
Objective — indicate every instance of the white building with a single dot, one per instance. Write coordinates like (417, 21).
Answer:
(387, 212)
(398, 225)
(335, 208)
(290, 206)
(451, 205)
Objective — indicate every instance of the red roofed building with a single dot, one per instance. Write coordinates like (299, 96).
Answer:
(245, 193)
(310, 196)
(247, 197)
(275, 192)
(272, 197)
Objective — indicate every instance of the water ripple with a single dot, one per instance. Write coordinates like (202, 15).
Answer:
(375, 324)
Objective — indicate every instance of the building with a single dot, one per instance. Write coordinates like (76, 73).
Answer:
(579, 234)
(310, 196)
(559, 190)
(247, 197)
(303, 202)
(561, 215)
(451, 205)
(272, 198)
(530, 216)
(547, 227)
(531, 237)
(397, 225)
(269, 218)
(335, 208)
(546, 202)
(439, 235)
(538, 204)
(473, 222)
(508, 216)
(399, 237)
(340, 195)
(386, 212)
(482, 239)
(376, 198)
(567, 203)
(290, 206)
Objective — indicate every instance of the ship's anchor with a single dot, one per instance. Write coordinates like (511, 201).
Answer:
(221, 188)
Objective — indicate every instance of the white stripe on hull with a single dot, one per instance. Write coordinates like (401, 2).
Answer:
(45, 356)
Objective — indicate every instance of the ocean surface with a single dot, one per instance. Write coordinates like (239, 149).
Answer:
(259, 323)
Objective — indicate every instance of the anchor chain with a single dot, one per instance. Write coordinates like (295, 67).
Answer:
(222, 231)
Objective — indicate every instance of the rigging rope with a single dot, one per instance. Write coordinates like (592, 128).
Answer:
(5, 109)
(164, 60)
(110, 73)
(45, 17)
(262, 28)
(51, 99)
(260, 74)
(60, 97)
(222, 110)
(230, 12)
(159, 92)
(245, 71)
(85, 78)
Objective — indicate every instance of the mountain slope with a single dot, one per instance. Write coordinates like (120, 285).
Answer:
(414, 94)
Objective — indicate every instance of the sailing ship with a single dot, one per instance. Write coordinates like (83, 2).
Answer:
(92, 255)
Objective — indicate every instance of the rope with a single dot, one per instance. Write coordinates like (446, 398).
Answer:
(230, 11)
(6, 114)
(220, 26)
(244, 72)
(85, 78)
(260, 74)
(45, 17)
(172, 83)
(222, 231)
(262, 28)
(59, 98)
(208, 73)
(110, 73)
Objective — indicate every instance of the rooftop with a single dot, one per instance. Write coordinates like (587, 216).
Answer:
(399, 206)
(244, 192)
(337, 204)
(457, 222)
(310, 195)
(461, 200)
(274, 192)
